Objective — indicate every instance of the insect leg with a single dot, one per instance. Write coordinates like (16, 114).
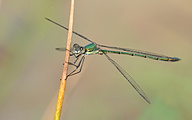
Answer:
(79, 65)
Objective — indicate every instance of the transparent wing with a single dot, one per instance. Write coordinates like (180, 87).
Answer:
(128, 77)
(60, 49)
(68, 29)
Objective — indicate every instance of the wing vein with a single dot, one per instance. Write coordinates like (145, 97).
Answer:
(128, 77)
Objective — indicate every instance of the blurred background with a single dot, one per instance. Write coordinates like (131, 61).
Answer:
(30, 67)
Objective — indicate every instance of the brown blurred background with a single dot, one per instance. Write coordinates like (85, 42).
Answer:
(30, 67)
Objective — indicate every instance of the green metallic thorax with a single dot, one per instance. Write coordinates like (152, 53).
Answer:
(91, 49)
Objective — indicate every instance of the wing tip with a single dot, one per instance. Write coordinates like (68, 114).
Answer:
(60, 49)
(147, 100)
(145, 97)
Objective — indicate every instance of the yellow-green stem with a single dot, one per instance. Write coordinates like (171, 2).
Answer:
(65, 69)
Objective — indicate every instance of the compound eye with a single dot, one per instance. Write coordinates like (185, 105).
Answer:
(81, 48)
(76, 46)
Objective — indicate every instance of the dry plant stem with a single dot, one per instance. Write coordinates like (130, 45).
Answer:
(65, 69)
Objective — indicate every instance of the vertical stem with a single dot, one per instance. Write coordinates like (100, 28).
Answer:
(65, 69)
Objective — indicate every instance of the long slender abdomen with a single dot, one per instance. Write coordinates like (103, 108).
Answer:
(146, 55)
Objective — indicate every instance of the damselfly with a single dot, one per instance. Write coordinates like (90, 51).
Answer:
(94, 48)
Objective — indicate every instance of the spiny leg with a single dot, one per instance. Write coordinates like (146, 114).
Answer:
(79, 65)
(77, 57)
(73, 54)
